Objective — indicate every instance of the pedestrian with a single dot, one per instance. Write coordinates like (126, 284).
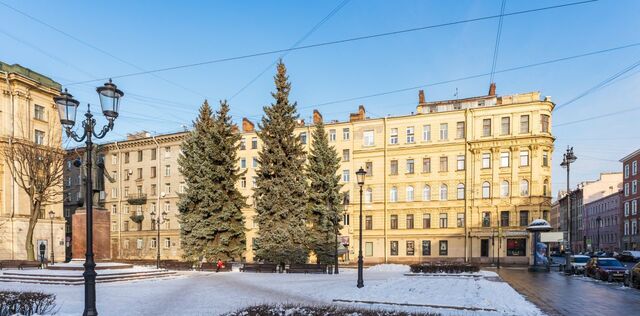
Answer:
(219, 265)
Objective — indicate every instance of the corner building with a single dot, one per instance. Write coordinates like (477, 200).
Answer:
(459, 179)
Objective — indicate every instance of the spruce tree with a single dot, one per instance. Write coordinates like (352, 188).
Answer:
(281, 183)
(324, 196)
(212, 223)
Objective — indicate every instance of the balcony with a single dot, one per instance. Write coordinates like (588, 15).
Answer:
(138, 199)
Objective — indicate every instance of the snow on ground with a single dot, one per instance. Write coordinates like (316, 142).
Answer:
(209, 293)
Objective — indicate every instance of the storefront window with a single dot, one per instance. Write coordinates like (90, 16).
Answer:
(410, 248)
(444, 247)
(426, 247)
(516, 247)
(394, 248)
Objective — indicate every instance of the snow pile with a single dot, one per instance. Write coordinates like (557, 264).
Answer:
(389, 267)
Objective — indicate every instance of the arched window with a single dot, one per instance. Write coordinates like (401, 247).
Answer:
(486, 190)
(409, 193)
(368, 195)
(393, 195)
(545, 187)
(504, 188)
(443, 192)
(426, 193)
(524, 187)
(460, 191)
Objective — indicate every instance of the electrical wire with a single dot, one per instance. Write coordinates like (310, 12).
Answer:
(497, 44)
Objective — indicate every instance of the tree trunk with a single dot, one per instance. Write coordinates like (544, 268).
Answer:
(33, 220)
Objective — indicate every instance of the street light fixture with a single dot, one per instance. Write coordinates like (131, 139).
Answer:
(159, 220)
(567, 159)
(360, 177)
(110, 97)
(51, 214)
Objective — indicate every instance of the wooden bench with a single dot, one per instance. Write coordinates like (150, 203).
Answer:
(19, 264)
(259, 267)
(212, 266)
(307, 268)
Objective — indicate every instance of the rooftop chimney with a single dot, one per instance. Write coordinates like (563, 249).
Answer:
(317, 117)
(360, 116)
(247, 126)
(492, 89)
(420, 96)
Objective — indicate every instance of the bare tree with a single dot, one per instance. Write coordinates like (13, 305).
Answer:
(38, 170)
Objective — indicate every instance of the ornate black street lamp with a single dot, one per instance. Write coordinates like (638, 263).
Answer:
(360, 176)
(158, 220)
(567, 159)
(67, 107)
(51, 214)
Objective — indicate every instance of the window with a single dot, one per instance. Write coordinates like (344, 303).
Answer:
(516, 247)
(460, 191)
(409, 196)
(486, 190)
(426, 133)
(409, 221)
(524, 187)
(444, 247)
(634, 167)
(126, 157)
(114, 192)
(139, 243)
(154, 190)
(254, 142)
(393, 169)
(634, 207)
(460, 162)
(410, 247)
(426, 220)
(393, 136)
(444, 131)
(444, 164)
(626, 209)
(332, 135)
(243, 144)
(394, 222)
(167, 206)
(167, 170)
(443, 220)
(504, 188)
(139, 171)
(504, 218)
(626, 227)
(368, 222)
(254, 182)
(460, 130)
(167, 242)
(545, 158)
(254, 162)
(426, 247)
(486, 219)
(167, 188)
(486, 160)
(393, 194)
(368, 195)
(39, 137)
(504, 159)
(410, 165)
(126, 192)
(626, 171)
(368, 249)
(394, 248)
(243, 182)
(443, 192)
(345, 175)
(153, 172)
(426, 193)
(524, 158)
(367, 138)
(345, 134)
(154, 154)
(524, 124)
(38, 112)
(114, 159)
(545, 187)
(505, 126)
(153, 243)
(368, 167)
(634, 187)
(634, 227)
(410, 135)
(460, 220)
(125, 226)
(345, 155)
(303, 137)
(153, 207)
(544, 120)
(140, 155)
(626, 189)
(524, 218)
(426, 165)
(167, 152)
(545, 215)
(486, 127)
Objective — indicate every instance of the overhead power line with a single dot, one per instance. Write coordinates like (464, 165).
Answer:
(497, 45)
(277, 51)
(597, 117)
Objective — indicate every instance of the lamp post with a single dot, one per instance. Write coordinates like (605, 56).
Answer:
(51, 214)
(67, 107)
(598, 220)
(159, 220)
(567, 159)
(360, 176)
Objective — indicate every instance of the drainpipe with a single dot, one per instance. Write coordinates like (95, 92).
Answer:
(119, 209)
(13, 184)
(467, 254)
(384, 193)
(158, 173)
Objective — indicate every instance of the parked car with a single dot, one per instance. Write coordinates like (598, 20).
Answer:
(605, 269)
(629, 256)
(632, 279)
(578, 263)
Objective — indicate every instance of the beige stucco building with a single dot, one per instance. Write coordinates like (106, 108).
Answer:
(27, 112)
(457, 179)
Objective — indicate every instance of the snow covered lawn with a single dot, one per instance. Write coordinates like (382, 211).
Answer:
(207, 293)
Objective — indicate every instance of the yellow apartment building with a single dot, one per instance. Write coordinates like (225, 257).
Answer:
(456, 180)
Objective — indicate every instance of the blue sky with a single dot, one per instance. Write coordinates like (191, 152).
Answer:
(152, 34)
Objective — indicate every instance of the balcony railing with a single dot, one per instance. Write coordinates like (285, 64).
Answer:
(138, 199)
